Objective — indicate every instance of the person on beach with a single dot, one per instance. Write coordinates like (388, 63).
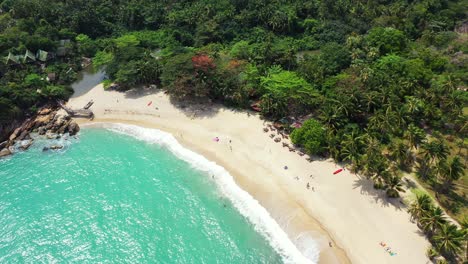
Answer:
(330, 244)
(313, 188)
(308, 186)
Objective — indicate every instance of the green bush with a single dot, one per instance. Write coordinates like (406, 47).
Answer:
(311, 135)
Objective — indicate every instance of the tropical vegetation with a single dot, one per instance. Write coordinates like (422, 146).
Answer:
(380, 85)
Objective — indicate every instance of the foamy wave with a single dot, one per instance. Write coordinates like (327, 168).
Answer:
(243, 201)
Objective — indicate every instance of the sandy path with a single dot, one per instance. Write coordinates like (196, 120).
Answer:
(342, 208)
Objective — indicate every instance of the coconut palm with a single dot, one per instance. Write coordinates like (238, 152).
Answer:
(414, 135)
(450, 171)
(424, 169)
(432, 253)
(434, 150)
(370, 101)
(442, 150)
(400, 153)
(428, 151)
(449, 240)
(413, 106)
(464, 226)
(393, 186)
(331, 116)
(420, 207)
(351, 147)
(433, 220)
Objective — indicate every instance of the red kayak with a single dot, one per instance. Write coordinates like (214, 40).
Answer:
(338, 171)
(150, 103)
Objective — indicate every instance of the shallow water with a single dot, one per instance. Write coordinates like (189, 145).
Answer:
(108, 197)
(87, 80)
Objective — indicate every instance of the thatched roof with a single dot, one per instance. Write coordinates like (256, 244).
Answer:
(12, 59)
(29, 56)
(42, 55)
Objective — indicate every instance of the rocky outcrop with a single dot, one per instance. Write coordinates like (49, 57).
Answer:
(73, 128)
(5, 152)
(52, 122)
(3, 144)
(25, 144)
(53, 147)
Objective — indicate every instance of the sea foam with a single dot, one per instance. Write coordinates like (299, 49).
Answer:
(243, 201)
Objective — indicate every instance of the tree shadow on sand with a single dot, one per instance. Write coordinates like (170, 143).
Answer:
(136, 93)
(192, 108)
(196, 108)
(367, 188)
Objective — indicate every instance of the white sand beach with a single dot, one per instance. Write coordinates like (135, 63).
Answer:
(342, 209)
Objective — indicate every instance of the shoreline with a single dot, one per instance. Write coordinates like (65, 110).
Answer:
(342, 209)
(332, 255)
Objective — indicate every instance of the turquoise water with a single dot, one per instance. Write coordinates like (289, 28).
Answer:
(111, 198)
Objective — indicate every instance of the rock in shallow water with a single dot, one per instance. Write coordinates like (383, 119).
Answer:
(26, 144)
(73, 128)
(5, 152)
(55, 147)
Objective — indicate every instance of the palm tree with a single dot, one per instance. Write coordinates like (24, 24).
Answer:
(393, 186)
(370, 100)
(351, 146)
(428, 151)
(400, 153)
(464, 225)
(432, 253)
(424, 169)
(449, 240)
(450, 171)
(442, 150)
(420, 206)
(414, 135)
(413, 105)
(434, 150)
(331, 116)
(433, 221)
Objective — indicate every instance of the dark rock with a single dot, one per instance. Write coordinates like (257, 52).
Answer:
(3, 144)
(49, 126)
(41, 131)
(73, 128)
(5, 152)
(27, 125)
(43, 120)
(26, 145)
(55, 147)
(15, 134)
(51, 135)
(63, 128)
(23, 135)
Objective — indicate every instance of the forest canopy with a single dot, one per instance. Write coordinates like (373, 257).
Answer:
(383, 84)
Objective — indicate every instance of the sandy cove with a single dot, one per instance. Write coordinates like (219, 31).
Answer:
(343, 208)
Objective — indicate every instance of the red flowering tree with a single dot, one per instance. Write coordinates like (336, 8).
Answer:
(203, 62)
